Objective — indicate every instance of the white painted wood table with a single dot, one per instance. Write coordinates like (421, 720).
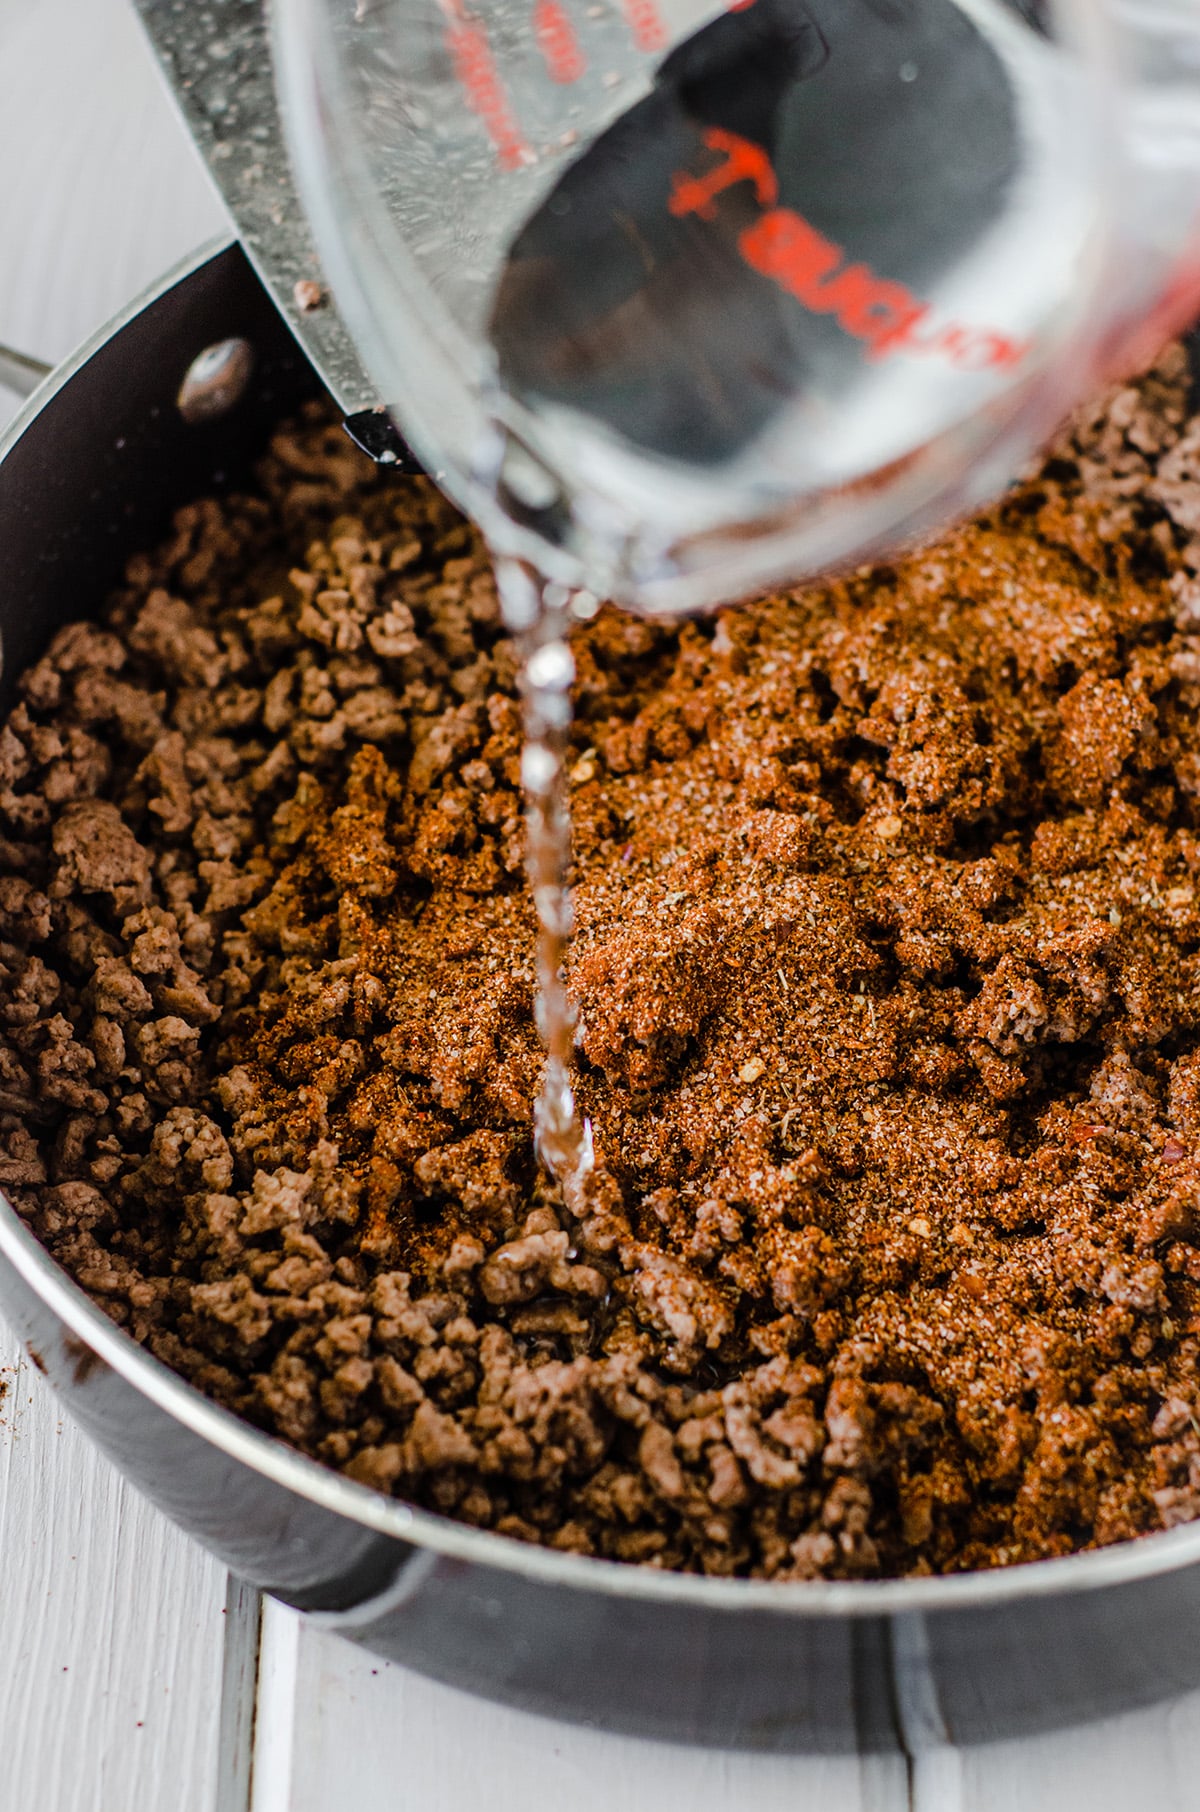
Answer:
(137, 1677)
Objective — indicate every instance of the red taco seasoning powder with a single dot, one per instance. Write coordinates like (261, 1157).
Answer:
(888, 901)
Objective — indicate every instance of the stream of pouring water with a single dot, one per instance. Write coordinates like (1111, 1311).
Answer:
(774, 272)
(539, 615)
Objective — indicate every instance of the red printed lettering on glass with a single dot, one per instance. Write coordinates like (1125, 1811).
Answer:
(978, 349)
(473, 65)
(557, 42)
(649, 32)
(744, 162)
(872, 309)
(785, 247)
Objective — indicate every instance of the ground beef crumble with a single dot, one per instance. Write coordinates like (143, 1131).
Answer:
(888, 899)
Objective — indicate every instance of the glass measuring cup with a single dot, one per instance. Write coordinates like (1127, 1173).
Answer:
(679, 300)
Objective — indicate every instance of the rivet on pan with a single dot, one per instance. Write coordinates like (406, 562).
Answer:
(215, 380)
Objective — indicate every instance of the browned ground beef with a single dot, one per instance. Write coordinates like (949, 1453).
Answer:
(889, 924)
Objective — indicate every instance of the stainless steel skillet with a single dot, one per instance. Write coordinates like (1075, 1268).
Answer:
(90, 470)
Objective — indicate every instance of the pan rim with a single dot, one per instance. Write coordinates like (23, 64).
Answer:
(1126, 1563)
